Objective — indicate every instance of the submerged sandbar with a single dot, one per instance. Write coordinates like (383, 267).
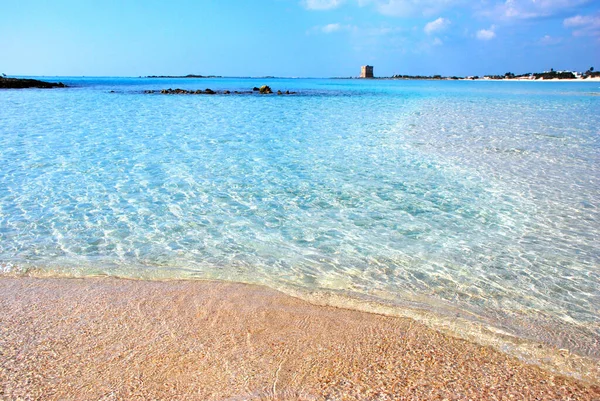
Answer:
(102, 338)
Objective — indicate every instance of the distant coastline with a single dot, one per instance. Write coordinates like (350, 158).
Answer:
(183, 76)
(552, 76)
(588, 76)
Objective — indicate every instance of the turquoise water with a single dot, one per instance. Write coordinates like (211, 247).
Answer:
(474, 199)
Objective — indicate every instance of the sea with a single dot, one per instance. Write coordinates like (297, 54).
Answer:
(473, 205)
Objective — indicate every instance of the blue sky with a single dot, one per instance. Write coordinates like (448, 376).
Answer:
(307, 38)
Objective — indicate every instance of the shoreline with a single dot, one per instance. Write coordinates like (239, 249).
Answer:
(435, 314)
(538, 80)
(91, 337)
(482, 79)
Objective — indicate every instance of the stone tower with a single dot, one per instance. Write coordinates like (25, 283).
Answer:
(366, 71)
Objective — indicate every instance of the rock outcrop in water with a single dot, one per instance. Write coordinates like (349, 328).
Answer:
(263, 90)
(183, 76)
(22, 83)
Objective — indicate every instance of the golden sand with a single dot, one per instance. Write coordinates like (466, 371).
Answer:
(105, 339)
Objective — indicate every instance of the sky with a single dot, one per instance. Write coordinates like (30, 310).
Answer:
(296, 38)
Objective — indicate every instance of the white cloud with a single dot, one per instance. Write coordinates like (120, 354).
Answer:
(435, 26)
(330, 28)
(384, 30)
(495, 9)
(548, 40)
(363, 31)
(437, 42)
(584, 25)
(405, 8)
(321, 4)
(577, 20)
(530, 9)
(486, 34)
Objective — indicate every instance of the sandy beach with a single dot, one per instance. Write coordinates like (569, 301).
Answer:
(105, 339)
(546, 80)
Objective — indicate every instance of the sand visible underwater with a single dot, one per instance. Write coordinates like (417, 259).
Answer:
(105, 339)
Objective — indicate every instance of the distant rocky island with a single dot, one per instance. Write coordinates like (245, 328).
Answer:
(183, 76)
(22, 83)
(263, 90)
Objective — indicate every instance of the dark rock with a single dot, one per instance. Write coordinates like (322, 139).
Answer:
(265, 89)
(226, 92)
(255, 89)
(112, 92)
(198, 92)
(287, 92)
(18, 83)
(279, 92)
(209, 91)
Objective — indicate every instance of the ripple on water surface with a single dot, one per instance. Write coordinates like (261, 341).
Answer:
(474, 200)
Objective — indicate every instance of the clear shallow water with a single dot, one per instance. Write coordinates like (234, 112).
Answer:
(475, 199)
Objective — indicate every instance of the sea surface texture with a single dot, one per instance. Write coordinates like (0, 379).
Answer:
(471, 199)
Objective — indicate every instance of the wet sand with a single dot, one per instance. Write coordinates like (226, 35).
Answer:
(106, 339)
